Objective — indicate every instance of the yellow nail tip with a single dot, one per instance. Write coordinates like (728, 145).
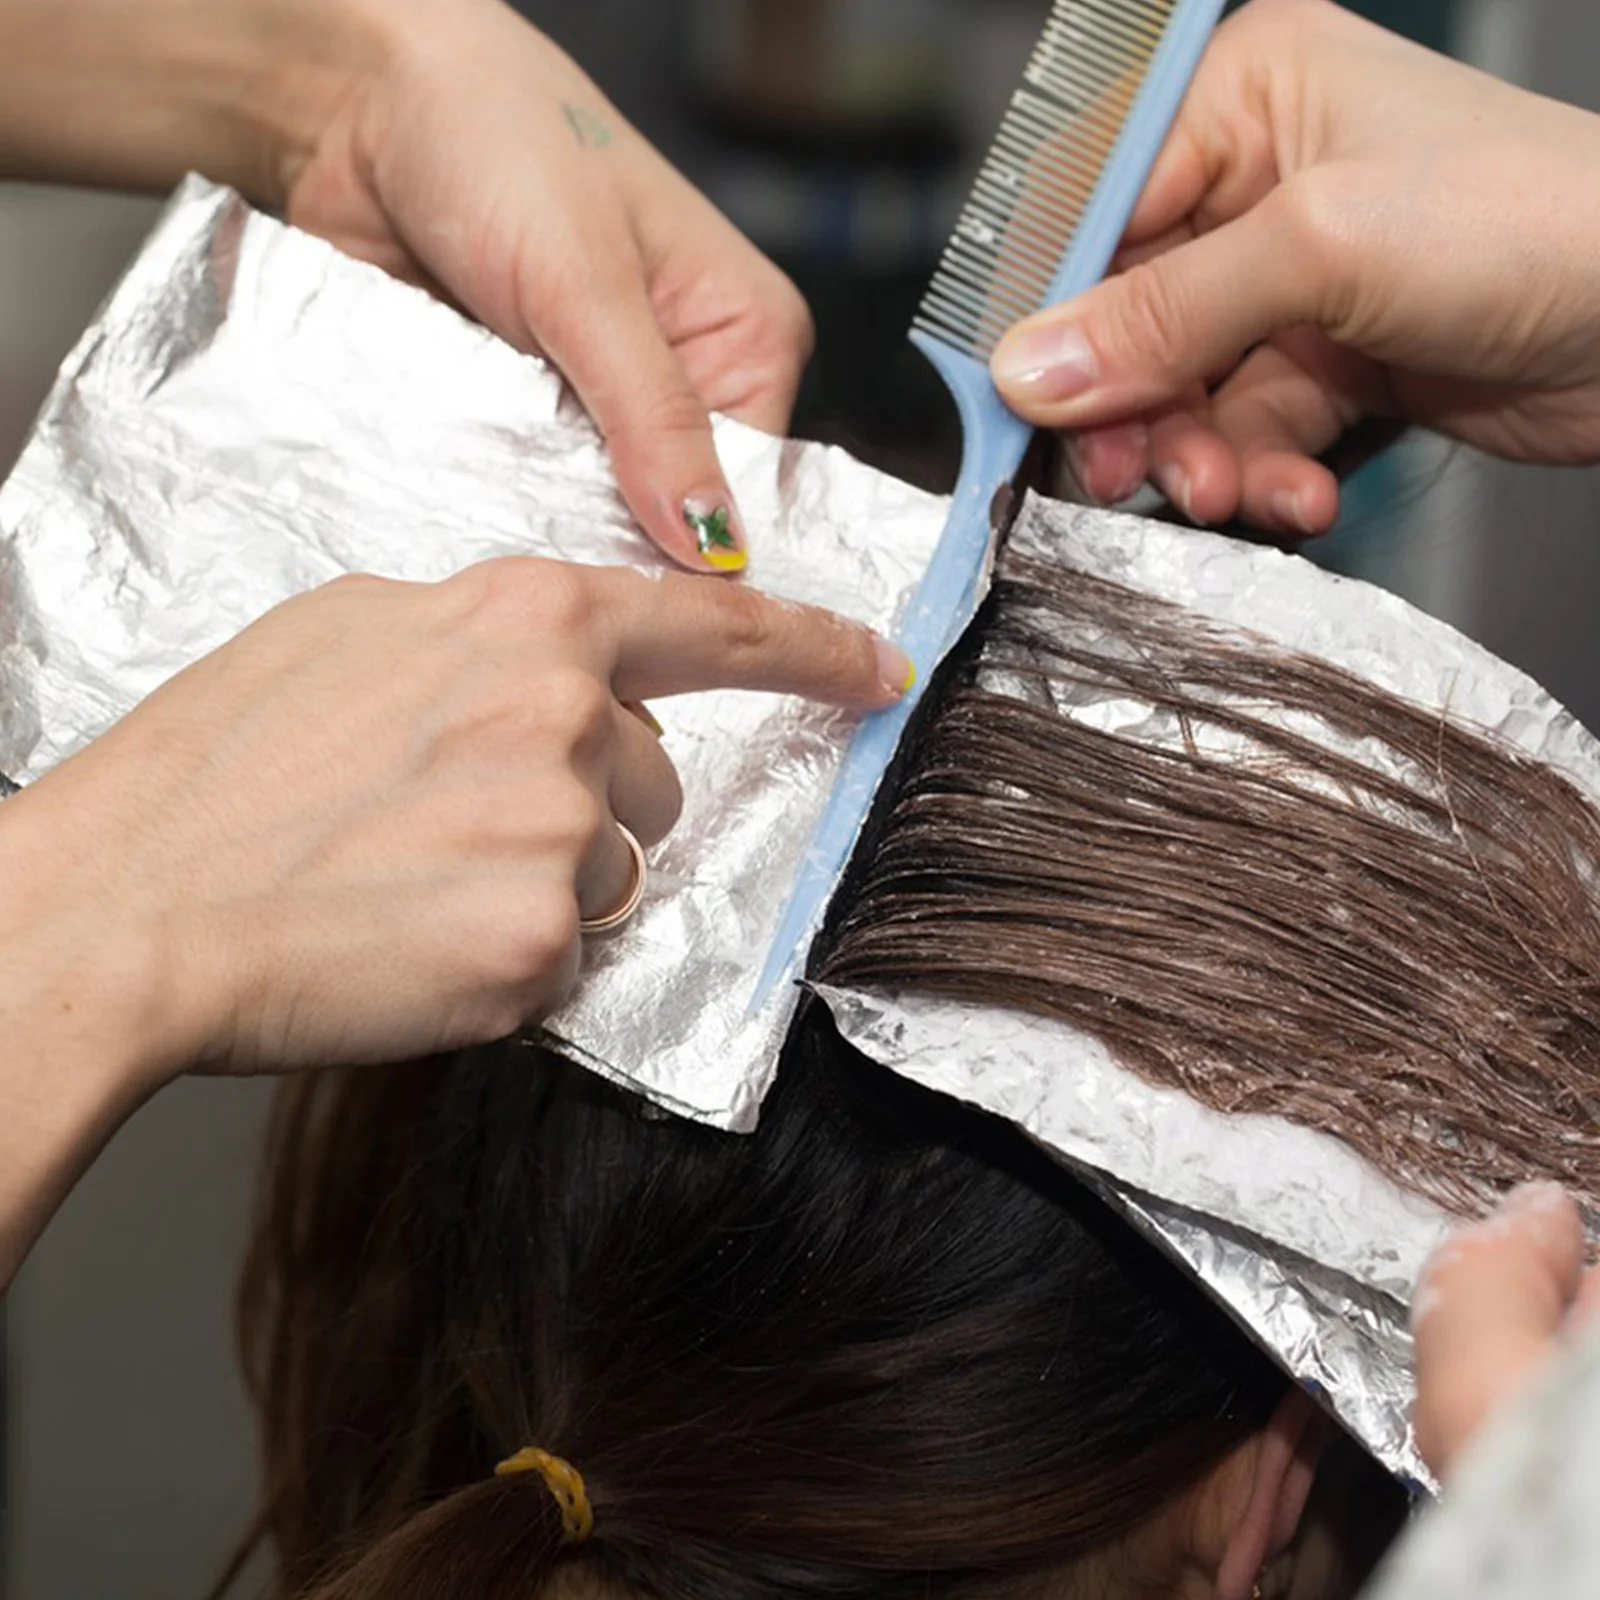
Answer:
(726, 560)
(911, 678)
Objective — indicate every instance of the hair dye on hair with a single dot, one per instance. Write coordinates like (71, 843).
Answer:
(1319, 901)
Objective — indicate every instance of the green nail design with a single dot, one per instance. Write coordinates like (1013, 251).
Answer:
(713, 536)
(713, 530)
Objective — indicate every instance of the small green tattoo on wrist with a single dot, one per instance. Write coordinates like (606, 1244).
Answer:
(713, 537)
(592, 132)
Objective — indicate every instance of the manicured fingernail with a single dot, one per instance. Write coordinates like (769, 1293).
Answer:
(718, 538)
(646, 716)
(1046, 361)
(1178, 487)
(1289, 509)
(896, 671)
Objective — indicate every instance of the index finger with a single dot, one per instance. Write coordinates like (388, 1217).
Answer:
(676, 635)
(1489, 1308)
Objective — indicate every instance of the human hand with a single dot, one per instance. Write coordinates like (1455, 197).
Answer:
(1491, 1311)
(367, 828)
(1342, 226)
(449, 142)
(469, 153)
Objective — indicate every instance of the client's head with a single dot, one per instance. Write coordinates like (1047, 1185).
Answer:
(882, 1347)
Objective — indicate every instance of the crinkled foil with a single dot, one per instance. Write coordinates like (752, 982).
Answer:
(252, 414)
(1314, 1250)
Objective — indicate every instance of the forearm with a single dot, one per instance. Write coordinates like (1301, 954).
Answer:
(62, 1096)
(83, 1028)
(134, 93)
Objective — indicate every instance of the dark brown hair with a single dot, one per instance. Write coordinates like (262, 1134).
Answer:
(1317, 900)
(883, 1347)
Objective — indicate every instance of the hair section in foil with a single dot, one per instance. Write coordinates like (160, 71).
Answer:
(1254, 876)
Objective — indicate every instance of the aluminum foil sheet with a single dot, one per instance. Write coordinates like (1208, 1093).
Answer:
(253, 413)
(1299, 1188)
(1314, 1250)
(1347, 1344)
(1139, 1146)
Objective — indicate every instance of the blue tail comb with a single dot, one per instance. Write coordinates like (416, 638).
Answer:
(1042, 224)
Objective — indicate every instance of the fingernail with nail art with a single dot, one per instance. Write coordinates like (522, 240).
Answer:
(718, 538)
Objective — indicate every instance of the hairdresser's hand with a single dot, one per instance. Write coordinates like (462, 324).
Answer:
(1343, 226)
(449, 142)
(364, 830)
(368, 827)
(1491, 1313)
(474, 155)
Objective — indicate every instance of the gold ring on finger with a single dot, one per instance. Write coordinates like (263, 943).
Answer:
(614, 921)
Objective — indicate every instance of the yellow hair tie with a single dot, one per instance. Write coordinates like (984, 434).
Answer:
(564, 1482)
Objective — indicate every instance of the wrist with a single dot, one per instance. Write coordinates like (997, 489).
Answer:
(307, 65)
(83, 983)
(135, 95)
(78, 1051)
(72, 1071)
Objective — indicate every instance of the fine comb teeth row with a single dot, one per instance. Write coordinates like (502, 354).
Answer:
(1045, 164)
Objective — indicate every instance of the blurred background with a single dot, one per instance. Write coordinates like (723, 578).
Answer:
(840, 134)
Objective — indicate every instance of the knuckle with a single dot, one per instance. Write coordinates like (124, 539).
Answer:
(666, 409)
(1293, 19)
(788, 333)
(656, 807)
(357, 585)
(798, 327)
(519, 593)
(1318, 220)
(1156, 321)
(747, 625)
(529, 931)
(1306, 211)
(574, 821)
(671, 803)
(546, 939)
(576, 710)
(1315, 212)
(660, 826)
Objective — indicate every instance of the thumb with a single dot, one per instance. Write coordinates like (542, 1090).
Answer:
(1139, 340)
(656, 427)
(1488, 1312)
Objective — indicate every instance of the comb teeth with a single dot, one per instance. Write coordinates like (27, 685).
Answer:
(1044, 166)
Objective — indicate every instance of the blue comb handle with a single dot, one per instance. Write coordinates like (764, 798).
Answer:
(994, 443)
